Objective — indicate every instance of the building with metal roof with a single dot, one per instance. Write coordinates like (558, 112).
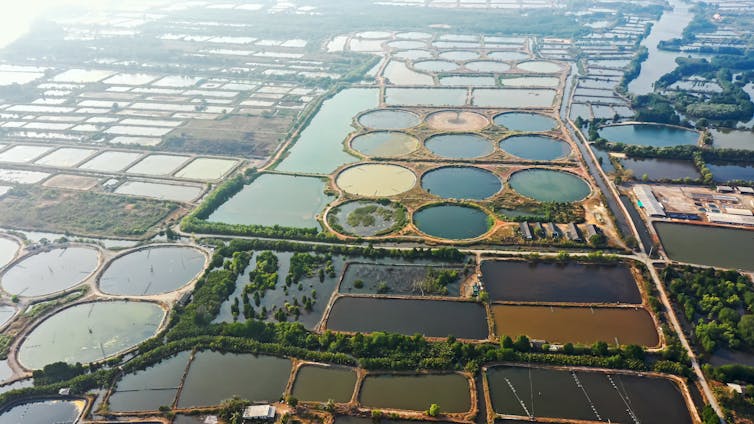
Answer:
(648, 201)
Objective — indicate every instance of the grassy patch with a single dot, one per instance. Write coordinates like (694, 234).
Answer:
(86, 213)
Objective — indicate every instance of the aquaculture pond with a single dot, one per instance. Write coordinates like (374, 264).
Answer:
(461, 182)
(507, 55)
(425, 96)
(319, 148)
(649, 135)
(154, 270)
(547, 185)
(456, 120)
(586, 395)
(315, 383)
(413, 54)
(416, 392)
(535, 147)
(459, 55)
(467, 81)
(733, 139)
(274, 299)
(8, 250)
(148, 389)
(584, 325)
(661, 169)
(385, 143)
(364, 218)
(400, 279)
(453, 222)
(487, 66)
(89, 332)
(514, 97)
(529, 122)
(44, 412)
(274, 199)
(459, 146)
(435, 66)
(729, 172)
(543, 282)
(397, 73)
(376, 180)
(6, 313)
(432, 318)
(389, 119)
(711, 246)
(214, 377)
(49, 272)
(540, 66)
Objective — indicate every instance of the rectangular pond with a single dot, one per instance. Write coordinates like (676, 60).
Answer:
(319, 147)
(722, 172)
(416, 392)
(426, 96)
(528, 282)
(65, 157)
(432, 318)
(586, 395)
(214, 377)
(206, 169)
(274, 199)
(704, 245)
(148, 389)
(415, 280)
(173, 192)
(158, 165)
(577, 324)
(513, 98)
(110, 161)
(661, 169)
(319, 383)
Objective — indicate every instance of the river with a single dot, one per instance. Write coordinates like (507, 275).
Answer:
(659, 62)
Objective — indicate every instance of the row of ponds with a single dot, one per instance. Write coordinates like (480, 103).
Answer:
(390, 144)
(514, 391)
(296, 201)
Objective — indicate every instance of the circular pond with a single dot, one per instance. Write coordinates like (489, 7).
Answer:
(154, 270)
(413, 54)
(459, 55)
(385, 143)
(455, 120)
(406, 44)
(540, 66)
(89, 332)
(535, 147)
(487, 66)
(453, 222)
(50, 271)
(389, 119)
(367, 219)
(459, 146)
(507, 55)
(375, 180)
(374, 35)
(547, 185)
(435, 66)
(530, 122)
(461, 182)
(8, 250)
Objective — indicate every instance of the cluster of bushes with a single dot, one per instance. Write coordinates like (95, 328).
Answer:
(718, 304)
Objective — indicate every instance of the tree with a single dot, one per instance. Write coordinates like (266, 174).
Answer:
(506, 342)
(746, 329)
(434, 410)
(599, 349)
(522, 344)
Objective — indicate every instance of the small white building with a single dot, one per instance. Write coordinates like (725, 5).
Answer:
(259, 413)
